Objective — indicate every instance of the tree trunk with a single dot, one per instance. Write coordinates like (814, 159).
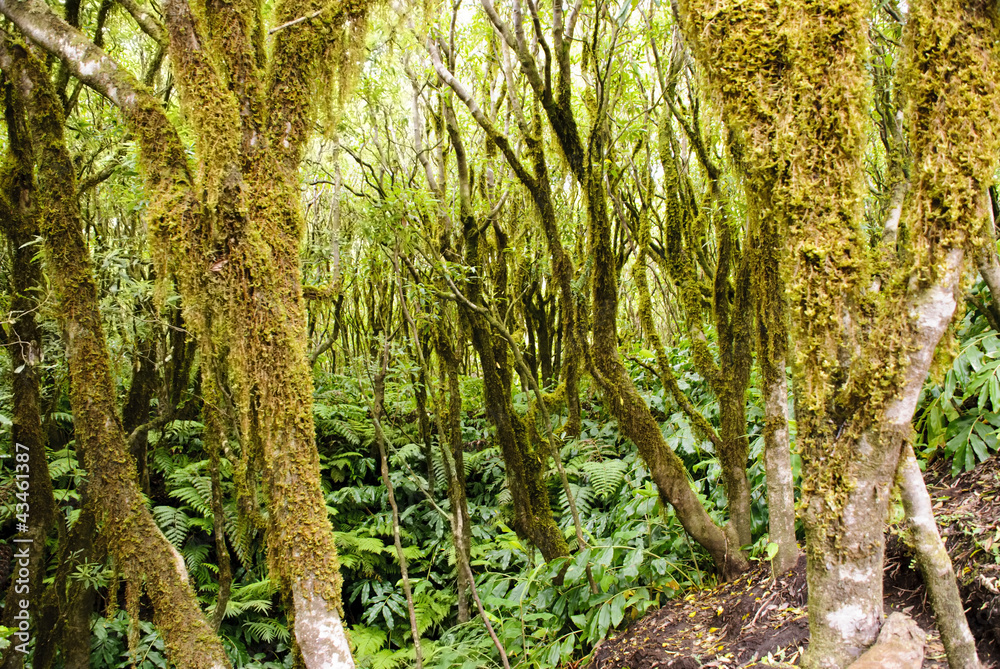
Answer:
(136, 409)
(525, 466)
(627, 405)
(772, 350)
(778, 471)
(136, 542)
(859, 362)
(449, 417)
(935, 565)
(34, 504)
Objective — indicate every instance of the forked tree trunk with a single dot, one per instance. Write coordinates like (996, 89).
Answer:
(229, 233)
(136, 542)
(795, 111)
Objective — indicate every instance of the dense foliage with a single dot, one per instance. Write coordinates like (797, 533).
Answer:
(538, 281)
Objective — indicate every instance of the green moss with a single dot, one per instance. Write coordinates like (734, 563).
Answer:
(127, 526)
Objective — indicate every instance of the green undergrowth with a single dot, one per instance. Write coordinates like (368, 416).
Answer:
(637, 554)
(958, 416)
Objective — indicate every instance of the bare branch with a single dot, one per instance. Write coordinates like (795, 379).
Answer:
(477, 113)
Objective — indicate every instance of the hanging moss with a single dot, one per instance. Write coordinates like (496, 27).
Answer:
(128, 527)
(795, 105)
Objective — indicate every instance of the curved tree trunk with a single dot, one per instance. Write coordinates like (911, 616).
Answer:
(627, 405)
(584, 158)
(136, 542)
(935, 565)
(525, 465)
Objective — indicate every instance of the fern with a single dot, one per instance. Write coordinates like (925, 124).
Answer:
(431, 607)
(266, 631)
(163, 462)
(194, 498)
(61, 417)
(236, 608)
(387, 659)
(344, 430)
(367, 641)
(581, 495)
(173, 522)
(195, 555)
(406, 454)
(63, 463)
(359, 553)
(605, 476)
(183, 432)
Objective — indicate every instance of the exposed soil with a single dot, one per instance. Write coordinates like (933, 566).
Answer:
(757, 621)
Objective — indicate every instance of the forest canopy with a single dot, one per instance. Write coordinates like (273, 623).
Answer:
(341, 333)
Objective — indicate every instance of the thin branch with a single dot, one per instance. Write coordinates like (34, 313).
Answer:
(294, 22)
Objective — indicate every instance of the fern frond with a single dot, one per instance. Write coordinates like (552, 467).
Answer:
(605, 476)
(173, 522)
(266, 631)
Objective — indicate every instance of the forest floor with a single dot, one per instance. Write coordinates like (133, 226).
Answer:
(757, 621)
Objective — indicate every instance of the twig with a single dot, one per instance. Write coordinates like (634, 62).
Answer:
(297, 21)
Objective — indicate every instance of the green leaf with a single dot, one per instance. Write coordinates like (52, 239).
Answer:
(617, 605)
(631, 569)
(578, 567)
(979, 447)
(771, 550)
(603, 621)
(605, 557)
(555, 653)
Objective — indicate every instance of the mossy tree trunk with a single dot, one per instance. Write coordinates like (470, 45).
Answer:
(686, 229)
(140, 549)
(525, 464)
(793, 96)
(532, 171)
(449, 418)
(772, 355)
(585, 157)
(229, 230)
(23, 340)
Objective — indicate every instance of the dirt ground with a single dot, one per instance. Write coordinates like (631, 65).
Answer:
(757, 621)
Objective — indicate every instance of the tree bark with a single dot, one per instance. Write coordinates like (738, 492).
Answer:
(135, 540)
(859, 363)
(772, 351)
(230, 234)
(525, 466)
(34, 496)
(585, 158)
(935, 565)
